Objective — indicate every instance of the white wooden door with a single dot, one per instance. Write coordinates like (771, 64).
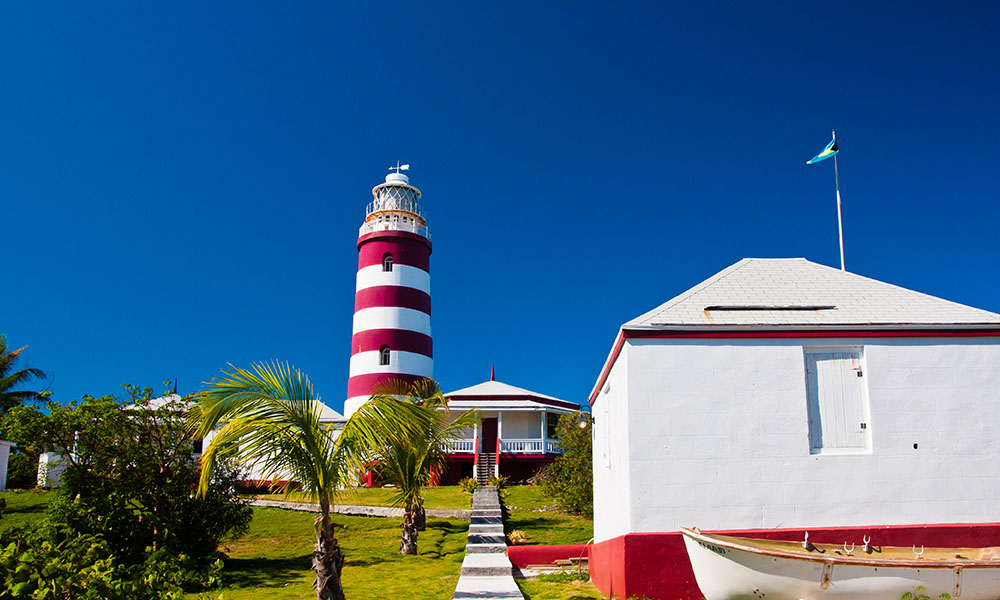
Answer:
(838, 417)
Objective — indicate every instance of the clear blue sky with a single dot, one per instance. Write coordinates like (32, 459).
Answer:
(181, 184)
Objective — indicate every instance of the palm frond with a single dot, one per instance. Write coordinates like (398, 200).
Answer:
(268, 417)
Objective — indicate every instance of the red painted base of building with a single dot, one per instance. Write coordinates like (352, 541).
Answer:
(656, 566)
(524, 556)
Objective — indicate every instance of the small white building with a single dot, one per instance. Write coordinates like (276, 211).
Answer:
(781, 396)
(515, 435)
(5, 448)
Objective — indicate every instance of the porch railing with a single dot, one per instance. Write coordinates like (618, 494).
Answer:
(530, 446)
(463, 446)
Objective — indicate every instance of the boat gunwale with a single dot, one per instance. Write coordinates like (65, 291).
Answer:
(841, 559)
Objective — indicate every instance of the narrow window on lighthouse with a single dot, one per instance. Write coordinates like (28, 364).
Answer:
(383, 352)
(386, 262)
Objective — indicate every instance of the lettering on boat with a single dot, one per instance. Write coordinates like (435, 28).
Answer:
(716, 549)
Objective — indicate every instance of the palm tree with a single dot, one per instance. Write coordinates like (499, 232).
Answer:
(410, 457)
(9, 379)
(267, 416)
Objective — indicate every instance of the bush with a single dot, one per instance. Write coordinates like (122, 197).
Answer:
(468, 485)
(130, 477)
(56, 563)
(569, 479)
(22, 471)
(517, 537)
(501, 483)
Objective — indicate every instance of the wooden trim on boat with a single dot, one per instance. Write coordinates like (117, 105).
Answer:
(831, 553)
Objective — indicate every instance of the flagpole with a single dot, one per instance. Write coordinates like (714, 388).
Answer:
(840, 222)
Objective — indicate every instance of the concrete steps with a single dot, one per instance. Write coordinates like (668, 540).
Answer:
(487, 573)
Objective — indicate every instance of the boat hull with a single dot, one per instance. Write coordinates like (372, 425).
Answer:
(728, 573)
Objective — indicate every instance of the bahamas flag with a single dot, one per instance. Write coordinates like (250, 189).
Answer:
(827, 152)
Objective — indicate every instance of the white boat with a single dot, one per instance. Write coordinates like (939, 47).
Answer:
(739, 568)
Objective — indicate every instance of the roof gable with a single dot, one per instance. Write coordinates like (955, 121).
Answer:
(797, 292)
(490, 391)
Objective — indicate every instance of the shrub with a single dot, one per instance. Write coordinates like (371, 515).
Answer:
(22, 470)
(569, 479)
(501, 483)
(130, 473)
(468, 485)
(56, 563)
(518, 537)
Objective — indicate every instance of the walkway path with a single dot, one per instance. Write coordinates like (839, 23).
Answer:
(364, 511)
(486, 572)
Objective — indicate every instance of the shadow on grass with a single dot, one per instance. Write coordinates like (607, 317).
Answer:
(264, 572)
(527, 596)
(447, 526)
(26, 509)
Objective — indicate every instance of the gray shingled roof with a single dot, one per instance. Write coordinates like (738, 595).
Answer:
(496, 389)
(795, 292)
(494, 395)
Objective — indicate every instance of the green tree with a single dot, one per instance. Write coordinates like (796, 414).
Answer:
(268, 417)
(130, 470)
(11, 379)
(569, 479)
(410, 457)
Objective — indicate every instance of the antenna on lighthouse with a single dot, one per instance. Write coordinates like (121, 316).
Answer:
(400, 167)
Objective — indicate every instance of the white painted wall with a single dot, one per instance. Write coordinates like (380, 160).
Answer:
(400, 361)
(404, 275)
(5, 447)
(522, 425)
(392, 317)
(611, 456)
(717, 437)
(50, 469)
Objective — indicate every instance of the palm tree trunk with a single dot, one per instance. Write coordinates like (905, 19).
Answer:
(328, 558)
(408, 541)
(421, 516)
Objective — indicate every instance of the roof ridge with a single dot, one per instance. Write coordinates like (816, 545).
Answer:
(916, 292)
(493, 383)
(779, 281)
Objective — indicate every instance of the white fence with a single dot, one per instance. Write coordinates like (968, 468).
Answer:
(510, 446)
(464, 446)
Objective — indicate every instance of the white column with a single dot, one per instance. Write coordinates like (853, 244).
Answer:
(476, 449)
(499, 428)
(496, 463)
(544, 429)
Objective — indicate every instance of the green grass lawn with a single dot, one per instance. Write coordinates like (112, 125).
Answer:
(24, 507)
(273, 559)
(529, 510)
(558, 586)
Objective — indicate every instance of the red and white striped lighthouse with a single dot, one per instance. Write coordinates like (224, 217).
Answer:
(392, 302)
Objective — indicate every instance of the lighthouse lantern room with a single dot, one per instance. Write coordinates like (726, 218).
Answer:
(392, 303)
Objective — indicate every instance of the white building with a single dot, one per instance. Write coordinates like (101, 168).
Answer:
(515, 435)
(782, 396)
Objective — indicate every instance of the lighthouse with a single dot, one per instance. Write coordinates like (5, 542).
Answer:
(392, 302)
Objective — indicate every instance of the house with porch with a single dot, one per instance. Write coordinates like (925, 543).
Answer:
(781, 396)
(515, 435)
